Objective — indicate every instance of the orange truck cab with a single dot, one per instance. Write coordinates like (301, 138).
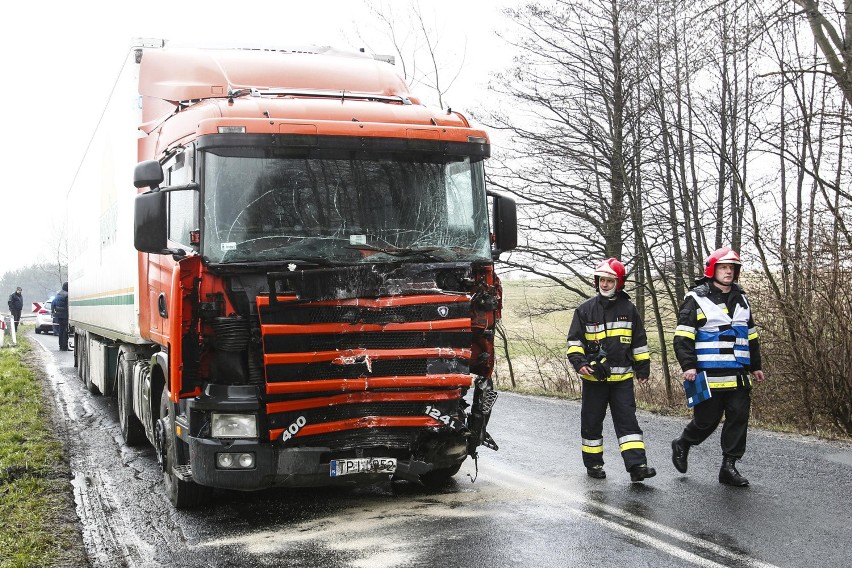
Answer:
(301, 291)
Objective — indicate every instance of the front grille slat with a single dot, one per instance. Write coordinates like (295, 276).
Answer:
(305, 314)
(377, 340)
(345, 411)
(384, 368)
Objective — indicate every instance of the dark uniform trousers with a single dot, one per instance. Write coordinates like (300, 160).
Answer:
(63, 334)
(622, 403)
(734, 404)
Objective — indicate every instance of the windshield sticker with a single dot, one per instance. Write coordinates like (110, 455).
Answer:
(228, 246)
(357, 239)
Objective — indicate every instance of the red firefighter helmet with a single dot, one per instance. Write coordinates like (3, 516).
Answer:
(611, 268)
(725, 255)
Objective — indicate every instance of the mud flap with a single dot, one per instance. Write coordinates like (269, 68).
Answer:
(484, 397)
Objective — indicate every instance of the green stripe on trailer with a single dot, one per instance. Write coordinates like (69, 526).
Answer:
(123, 300)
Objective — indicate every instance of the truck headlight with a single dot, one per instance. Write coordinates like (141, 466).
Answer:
(234, 425)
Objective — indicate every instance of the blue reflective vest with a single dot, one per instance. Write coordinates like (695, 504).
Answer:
(722, 342)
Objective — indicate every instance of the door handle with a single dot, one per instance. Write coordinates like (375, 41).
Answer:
(161, 305)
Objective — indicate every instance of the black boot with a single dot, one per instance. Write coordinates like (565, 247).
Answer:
(680, 451)
(641, 472)
(596, 471)
(729, 475)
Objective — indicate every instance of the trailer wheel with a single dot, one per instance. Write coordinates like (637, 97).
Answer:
(131, 429)
(81, 358)
(83, 369)
(183, 494)
(86, 374)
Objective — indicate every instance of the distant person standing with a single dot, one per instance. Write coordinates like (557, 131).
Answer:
(716, 335)
(59, 309)
(16, 304)
(608, 346)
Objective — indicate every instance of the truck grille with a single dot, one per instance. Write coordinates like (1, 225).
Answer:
(364, 365)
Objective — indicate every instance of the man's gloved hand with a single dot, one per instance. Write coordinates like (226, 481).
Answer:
(600, 369)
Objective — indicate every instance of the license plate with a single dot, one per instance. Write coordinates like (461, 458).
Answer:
(362, 465)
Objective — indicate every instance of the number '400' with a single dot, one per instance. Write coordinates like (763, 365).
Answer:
(294, 428)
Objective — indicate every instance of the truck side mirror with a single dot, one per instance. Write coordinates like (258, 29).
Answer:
(150, 222)
(505, 224)
(148, 174)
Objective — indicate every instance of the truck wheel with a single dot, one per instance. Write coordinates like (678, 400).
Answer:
(81, 362)
(83, 369)
(87, 374)
(183, 494)
(131, 429)
(439, 477)
(38, 331)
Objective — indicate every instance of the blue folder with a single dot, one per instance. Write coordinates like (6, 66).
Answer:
(697, 391)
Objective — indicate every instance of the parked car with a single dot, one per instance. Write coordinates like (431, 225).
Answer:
(44, 321)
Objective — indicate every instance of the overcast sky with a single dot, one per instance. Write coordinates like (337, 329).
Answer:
(60, 59)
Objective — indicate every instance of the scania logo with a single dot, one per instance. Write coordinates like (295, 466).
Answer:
(443, 311)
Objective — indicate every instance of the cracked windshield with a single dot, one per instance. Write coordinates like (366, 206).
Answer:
(260, 209)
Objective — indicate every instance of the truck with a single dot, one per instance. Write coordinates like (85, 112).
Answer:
(281, 264)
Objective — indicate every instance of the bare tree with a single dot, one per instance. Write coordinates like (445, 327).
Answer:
(834, 42)
(568, 152)
(418, 42)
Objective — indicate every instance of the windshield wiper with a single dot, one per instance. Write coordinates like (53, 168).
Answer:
(307, 261)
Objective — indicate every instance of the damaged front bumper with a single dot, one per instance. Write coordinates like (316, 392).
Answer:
(294, 467)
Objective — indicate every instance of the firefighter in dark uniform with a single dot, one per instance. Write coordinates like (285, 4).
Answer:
(716, 335)
(608, 347)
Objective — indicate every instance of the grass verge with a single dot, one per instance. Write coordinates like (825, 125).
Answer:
(38, 525)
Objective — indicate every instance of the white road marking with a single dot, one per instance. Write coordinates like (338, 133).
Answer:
(516, 480)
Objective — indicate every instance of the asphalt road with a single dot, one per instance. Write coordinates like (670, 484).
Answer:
(531, 503)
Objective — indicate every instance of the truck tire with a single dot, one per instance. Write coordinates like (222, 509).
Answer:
(439, 477)
(131, 429)
(183, 494)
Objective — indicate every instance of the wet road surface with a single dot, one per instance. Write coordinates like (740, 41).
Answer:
(531, 504)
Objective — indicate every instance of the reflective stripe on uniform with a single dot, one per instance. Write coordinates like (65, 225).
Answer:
(721, 344)
(631, 442)
(727, 382)
(685, 331)
(619, 333)
(614, 377)
(595, 332)
(593, 446)
(619, 329)
(641, 353)
(716, 357)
